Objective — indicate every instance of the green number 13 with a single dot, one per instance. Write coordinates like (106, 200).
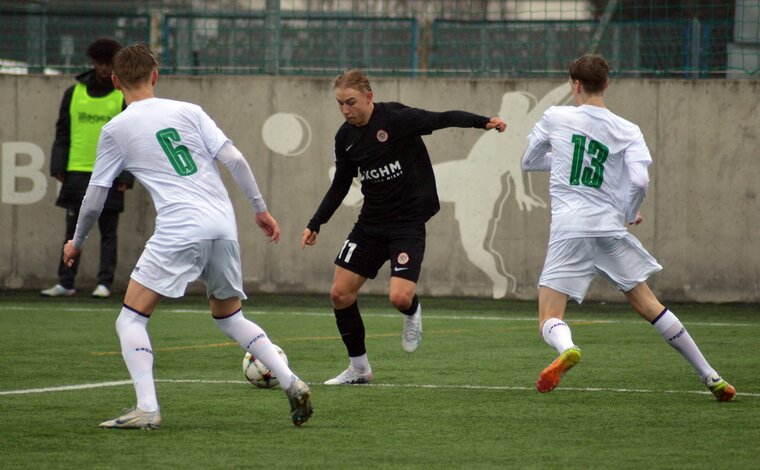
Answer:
(589, 176)
(179, 156)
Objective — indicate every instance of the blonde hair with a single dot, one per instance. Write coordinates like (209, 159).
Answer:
(353, 78)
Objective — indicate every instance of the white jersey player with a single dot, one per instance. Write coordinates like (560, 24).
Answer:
(171, 148)
(598, 163)
(581, 203)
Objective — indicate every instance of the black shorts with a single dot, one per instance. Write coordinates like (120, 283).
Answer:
(367, 248)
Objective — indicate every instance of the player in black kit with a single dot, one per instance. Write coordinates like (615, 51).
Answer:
(381, 143)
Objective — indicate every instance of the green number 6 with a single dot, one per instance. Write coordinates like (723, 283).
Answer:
(179, 156)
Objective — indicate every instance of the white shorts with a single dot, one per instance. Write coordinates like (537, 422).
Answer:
(571, 264)
(167, 268)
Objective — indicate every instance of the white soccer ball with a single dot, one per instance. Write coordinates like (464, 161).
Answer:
(258, 374)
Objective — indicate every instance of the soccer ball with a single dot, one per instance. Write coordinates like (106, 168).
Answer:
(258, 374)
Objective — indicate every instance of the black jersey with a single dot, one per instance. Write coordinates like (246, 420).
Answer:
(392, 163)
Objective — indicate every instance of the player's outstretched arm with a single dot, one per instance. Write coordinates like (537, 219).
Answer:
(342, 179)
(496, 123)
(268, 225)
(308, 238)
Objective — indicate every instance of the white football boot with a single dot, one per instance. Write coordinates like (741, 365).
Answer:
(134, 418)
(299, 397)
(412, 335)
(351, 376)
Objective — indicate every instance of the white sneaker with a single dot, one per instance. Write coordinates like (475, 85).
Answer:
(299, 397)
(101, 292)
(351, 376)
(134, 418)
(58, 291)
(412, 335)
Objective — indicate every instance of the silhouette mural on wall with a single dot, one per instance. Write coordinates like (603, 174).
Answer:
(492, 165)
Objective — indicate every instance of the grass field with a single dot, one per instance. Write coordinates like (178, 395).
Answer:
(466, 398)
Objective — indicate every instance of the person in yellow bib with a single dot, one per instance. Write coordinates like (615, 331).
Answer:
(85, 108)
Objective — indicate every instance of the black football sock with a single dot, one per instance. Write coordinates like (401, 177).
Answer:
(412, 308)
(351, 328)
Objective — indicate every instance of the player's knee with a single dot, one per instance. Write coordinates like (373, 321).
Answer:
(341, 298)
(401, 300)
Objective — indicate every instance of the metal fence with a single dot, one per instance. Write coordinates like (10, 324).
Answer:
(522, 48)
(296, 44)
(496, 38)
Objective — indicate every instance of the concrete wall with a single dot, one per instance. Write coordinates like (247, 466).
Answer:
(489, 240)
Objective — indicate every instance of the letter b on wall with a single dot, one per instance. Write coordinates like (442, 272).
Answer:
(12, 172)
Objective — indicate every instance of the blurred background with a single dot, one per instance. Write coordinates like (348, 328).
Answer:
(462, 38)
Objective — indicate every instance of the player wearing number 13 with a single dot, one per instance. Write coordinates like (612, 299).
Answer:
(171, 148)
(598, 163)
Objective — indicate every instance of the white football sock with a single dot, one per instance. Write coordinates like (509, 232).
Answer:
(557, 334)
(360, 363)
(132, 329)
(254, 340)
(674, 333)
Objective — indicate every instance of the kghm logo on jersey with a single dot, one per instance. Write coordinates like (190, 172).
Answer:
(384, 173)
(382, 136)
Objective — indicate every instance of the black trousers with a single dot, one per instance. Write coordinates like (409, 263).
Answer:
(108, 223)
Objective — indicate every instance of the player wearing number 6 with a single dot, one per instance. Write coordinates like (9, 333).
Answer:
(171, 148)
(598, 163)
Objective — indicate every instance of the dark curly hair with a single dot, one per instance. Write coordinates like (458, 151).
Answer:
(102, 50)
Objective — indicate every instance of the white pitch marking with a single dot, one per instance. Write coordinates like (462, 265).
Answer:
(375, 385)
(568, 389)
(65, 388)
(396, 315)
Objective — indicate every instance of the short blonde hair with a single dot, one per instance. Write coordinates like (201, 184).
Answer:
(353, 78)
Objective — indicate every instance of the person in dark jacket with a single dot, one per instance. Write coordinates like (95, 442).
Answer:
(85, 108)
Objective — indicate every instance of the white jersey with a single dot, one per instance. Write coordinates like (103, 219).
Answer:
(169, 146)
(589, 184)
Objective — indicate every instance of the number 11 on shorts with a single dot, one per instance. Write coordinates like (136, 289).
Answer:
(345, 254)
